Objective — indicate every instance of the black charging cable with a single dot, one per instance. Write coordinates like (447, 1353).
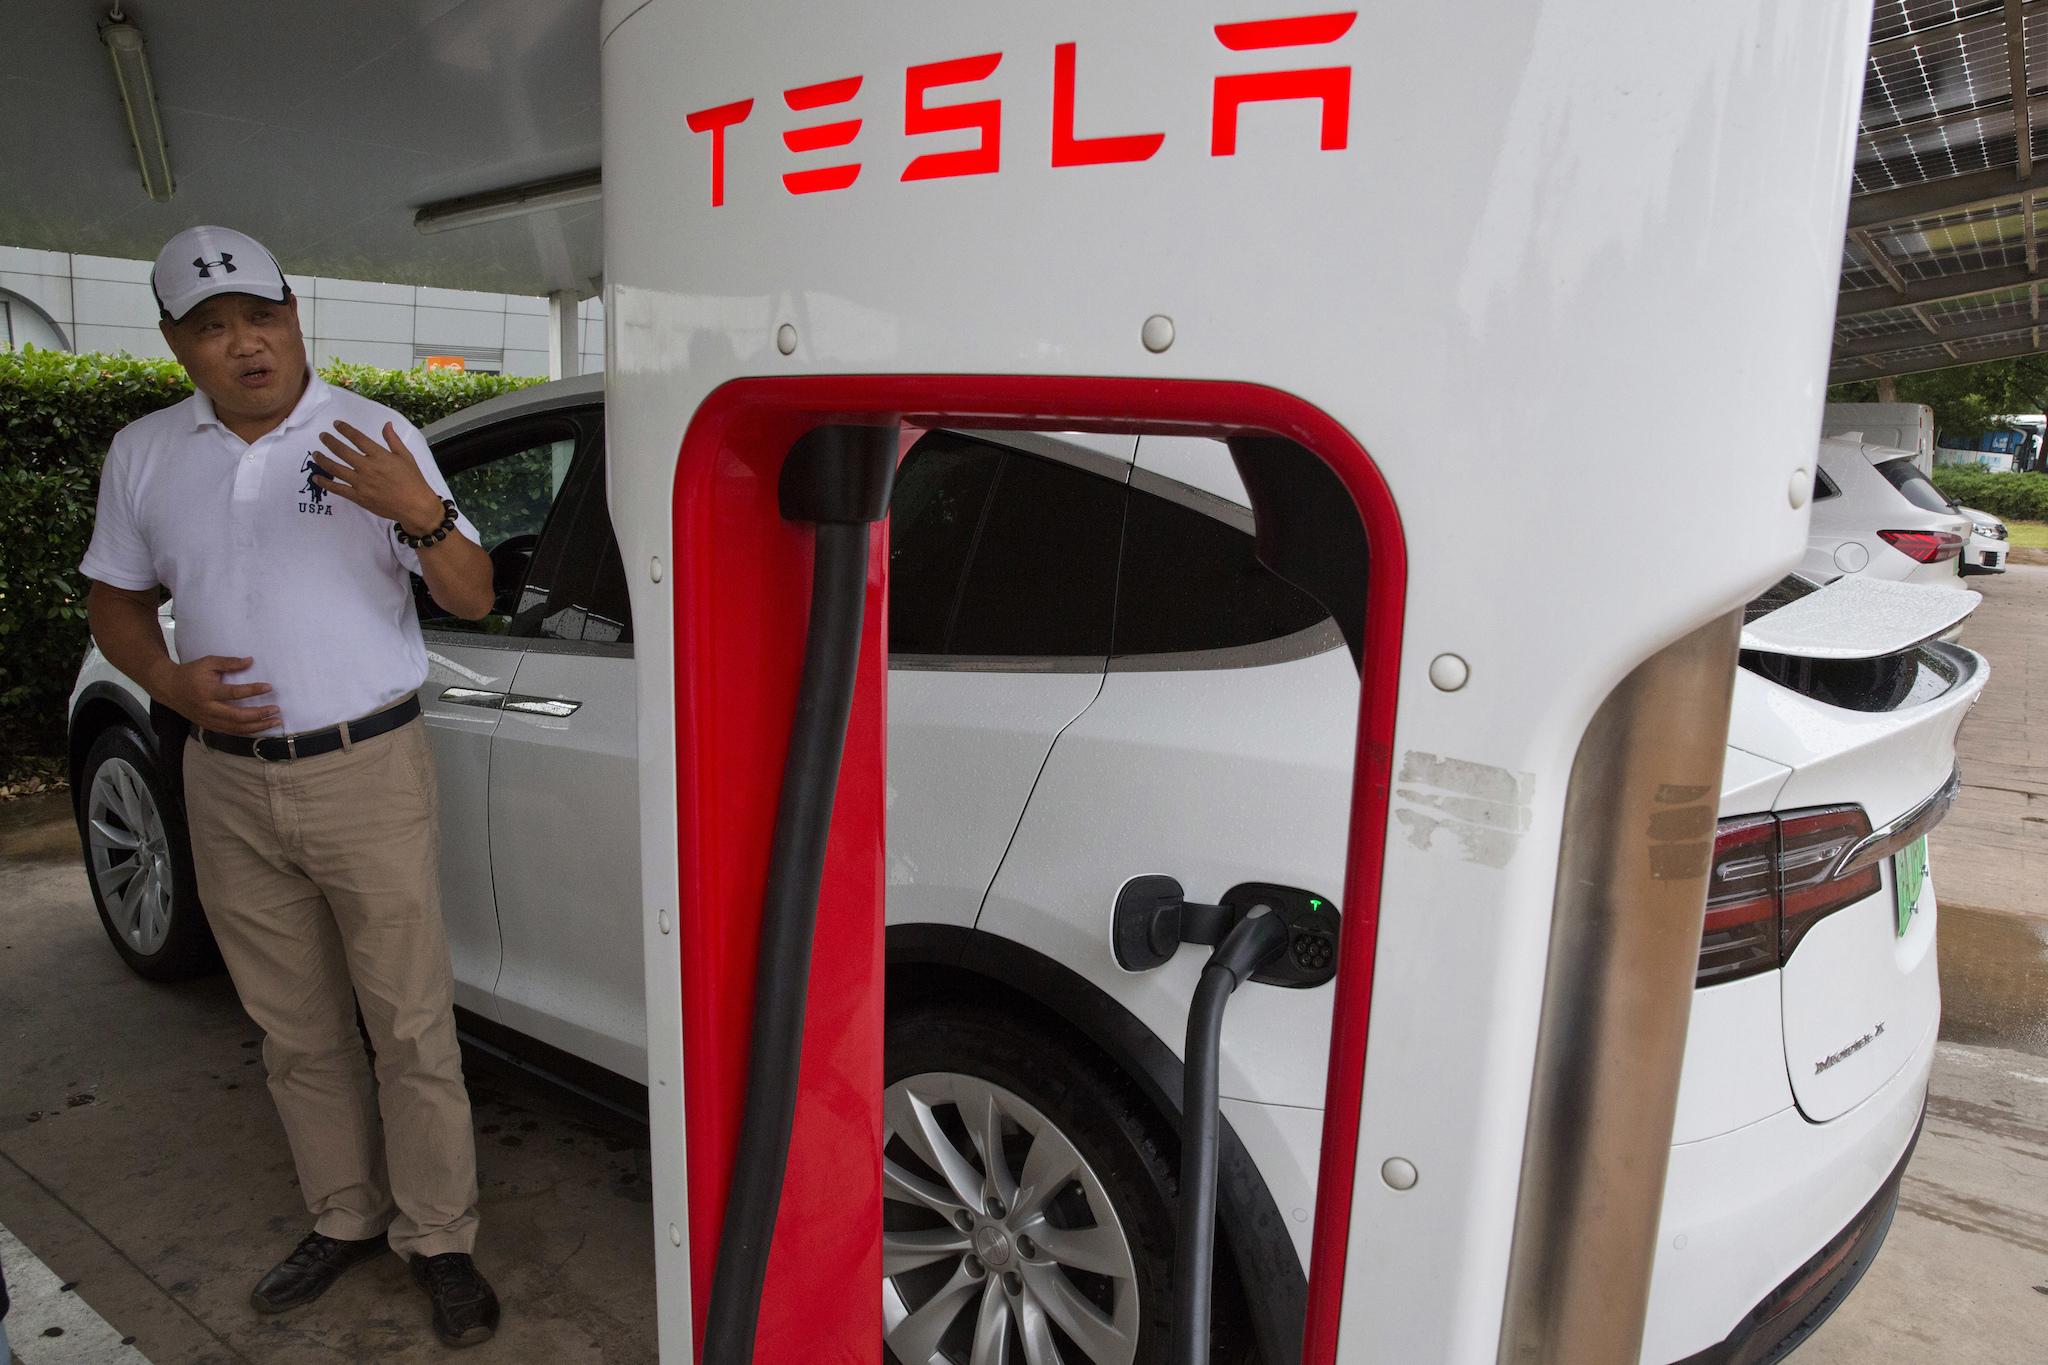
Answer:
(838, 477)
(1255, 942)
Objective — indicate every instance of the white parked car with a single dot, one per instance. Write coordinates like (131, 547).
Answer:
(1987, 548)
(1092, 679)
(1876, 514)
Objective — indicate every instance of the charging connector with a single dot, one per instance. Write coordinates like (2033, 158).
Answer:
(1274, 935)
(1259, 940)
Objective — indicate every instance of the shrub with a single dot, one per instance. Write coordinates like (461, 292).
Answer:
(424, 396)
(58, 412)
(2021, 497)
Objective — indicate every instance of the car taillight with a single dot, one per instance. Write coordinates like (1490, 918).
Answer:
(1810, 845)
(1771, 881)
(1741, 933)
(1928, 547)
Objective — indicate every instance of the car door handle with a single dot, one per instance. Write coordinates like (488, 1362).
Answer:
(541, 706)
(473, 696)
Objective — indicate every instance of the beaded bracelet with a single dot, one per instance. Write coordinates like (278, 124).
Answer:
(433, 537)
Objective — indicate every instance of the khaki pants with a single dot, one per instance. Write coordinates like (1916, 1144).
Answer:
(320, 879)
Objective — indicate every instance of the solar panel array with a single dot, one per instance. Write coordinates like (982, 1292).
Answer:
(1945, 232)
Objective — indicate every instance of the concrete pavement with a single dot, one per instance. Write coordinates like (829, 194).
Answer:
(140, 1159)
(1993, 848)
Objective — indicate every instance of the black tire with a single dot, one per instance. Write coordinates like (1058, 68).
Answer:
(1097, 1110)
(185, 947)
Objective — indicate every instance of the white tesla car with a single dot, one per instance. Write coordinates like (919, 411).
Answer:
(1876, 514)
(1092, 679)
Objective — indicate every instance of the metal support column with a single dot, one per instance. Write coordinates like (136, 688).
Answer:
(565, 346)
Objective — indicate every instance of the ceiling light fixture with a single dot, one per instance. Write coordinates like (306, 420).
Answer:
(535, 196)
(138, 104)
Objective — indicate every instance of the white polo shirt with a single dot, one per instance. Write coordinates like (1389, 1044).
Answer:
(263, 564)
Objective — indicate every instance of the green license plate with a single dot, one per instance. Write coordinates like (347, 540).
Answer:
(1909, 875)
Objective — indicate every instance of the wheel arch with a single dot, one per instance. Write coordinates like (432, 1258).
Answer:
(984, 967)
(100, 705)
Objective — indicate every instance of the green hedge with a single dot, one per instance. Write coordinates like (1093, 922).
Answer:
(58, 412)
(2021, 497)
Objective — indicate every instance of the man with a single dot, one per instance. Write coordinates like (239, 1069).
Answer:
(285, 515)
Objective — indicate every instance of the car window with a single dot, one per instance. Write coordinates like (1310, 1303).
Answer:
(1783, 593)
(609, 617)
(506, 482)
(941, 492)
(1192, 581)
(509, 495)
(576, 590)
(1823, 486)
(1000, 554)
(1042, 581)
(1917, 487)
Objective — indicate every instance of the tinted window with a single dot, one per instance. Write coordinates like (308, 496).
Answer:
(942, 488)
(576, 590)
(508, 495)
(1042, 580)
(1823, 486)
(1192, 582)
(609, 617)
(1918, 488)
(1783, 593)
(506, 483)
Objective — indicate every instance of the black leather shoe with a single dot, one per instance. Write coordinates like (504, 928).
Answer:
(465, 1309)
(305, 1275)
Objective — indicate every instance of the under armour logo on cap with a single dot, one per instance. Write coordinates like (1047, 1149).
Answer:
(222, 261)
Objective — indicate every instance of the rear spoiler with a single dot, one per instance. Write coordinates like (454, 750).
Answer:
(1860, 618)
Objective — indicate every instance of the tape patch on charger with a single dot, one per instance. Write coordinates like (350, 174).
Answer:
(1480, 811)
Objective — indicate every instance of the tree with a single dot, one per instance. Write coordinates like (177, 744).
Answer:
(1969, 398)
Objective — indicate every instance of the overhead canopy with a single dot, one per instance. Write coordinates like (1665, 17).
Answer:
(1941, 262)
(318, 128)
(324, 129)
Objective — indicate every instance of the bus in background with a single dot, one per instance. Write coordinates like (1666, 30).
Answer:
(2015, 445)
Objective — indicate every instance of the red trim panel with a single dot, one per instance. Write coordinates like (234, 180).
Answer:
(741, 584)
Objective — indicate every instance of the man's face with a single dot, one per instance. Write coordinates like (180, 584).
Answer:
(244, 353)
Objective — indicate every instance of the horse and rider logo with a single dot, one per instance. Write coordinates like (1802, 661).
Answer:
(316, 492)
(226, 264)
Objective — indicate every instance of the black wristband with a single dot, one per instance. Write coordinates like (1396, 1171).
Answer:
(433, 537)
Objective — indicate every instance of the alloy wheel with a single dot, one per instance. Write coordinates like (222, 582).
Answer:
(131, 858)
(999, 1242)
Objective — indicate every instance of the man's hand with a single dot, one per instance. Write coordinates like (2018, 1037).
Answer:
(381, 478)
(200, 692)
(385, 479)
(125, 625)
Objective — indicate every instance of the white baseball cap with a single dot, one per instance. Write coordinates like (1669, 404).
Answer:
(201, 262)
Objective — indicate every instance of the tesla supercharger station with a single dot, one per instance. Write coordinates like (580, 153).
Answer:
(1470, 258)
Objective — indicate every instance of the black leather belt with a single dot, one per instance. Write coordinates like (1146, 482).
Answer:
(282, 748)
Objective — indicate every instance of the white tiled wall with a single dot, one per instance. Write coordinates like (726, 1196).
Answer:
(462, 329)
(348, 320)
(103, 303)
(142, 341)
(527, 332)
(115, 303)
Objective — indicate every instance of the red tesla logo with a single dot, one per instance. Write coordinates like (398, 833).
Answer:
(817, 136)
(931, 106)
